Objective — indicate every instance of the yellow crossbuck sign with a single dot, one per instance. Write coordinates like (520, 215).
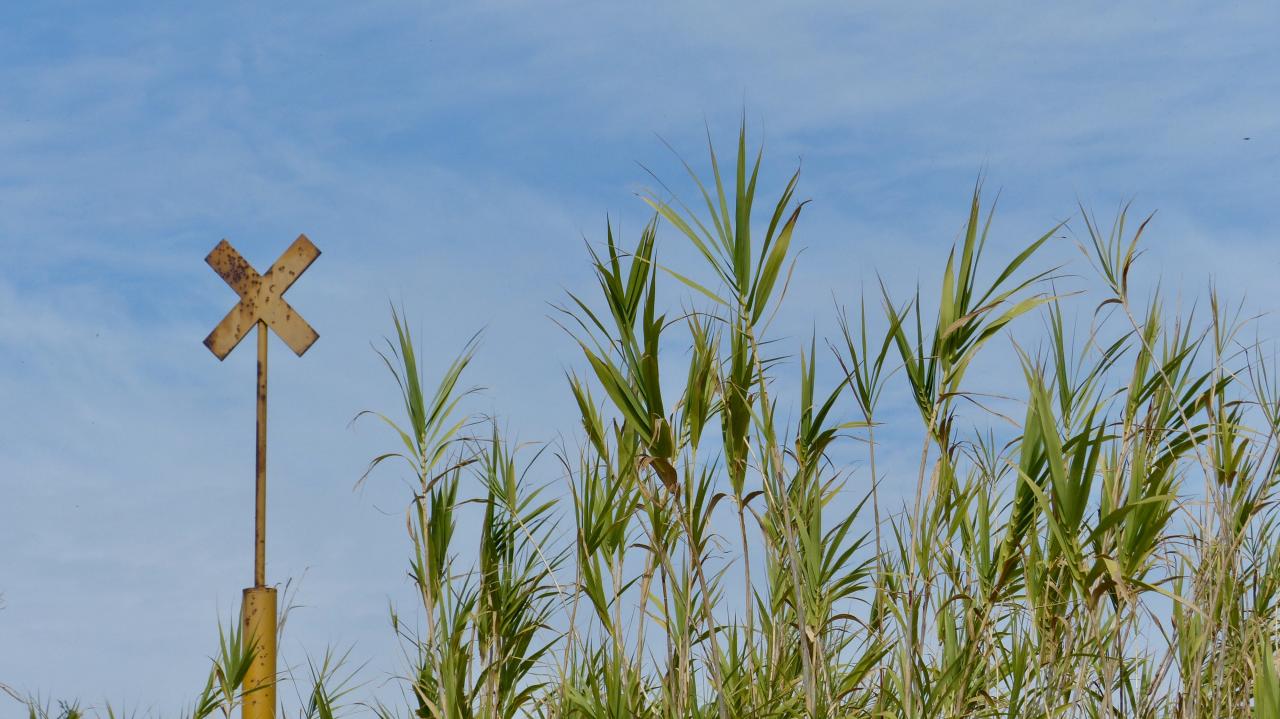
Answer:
(261, 305)
(260, 297)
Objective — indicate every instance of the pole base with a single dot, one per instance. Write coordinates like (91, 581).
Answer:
(258, 621)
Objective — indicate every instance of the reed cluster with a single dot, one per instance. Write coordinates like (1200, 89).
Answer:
(727, 537)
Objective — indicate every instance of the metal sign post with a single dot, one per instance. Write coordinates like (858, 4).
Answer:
(261, 305)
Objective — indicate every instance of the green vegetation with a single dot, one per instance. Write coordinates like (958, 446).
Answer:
(1107, 550)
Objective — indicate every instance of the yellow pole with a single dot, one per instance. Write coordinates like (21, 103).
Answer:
(258, 609)
(260, 486)
(258, 614)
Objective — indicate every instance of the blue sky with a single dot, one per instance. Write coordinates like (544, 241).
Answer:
(453, 157)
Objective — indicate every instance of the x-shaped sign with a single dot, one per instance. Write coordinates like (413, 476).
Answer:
(261, 297)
